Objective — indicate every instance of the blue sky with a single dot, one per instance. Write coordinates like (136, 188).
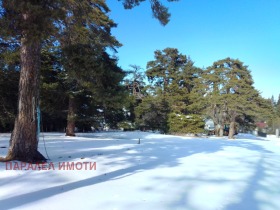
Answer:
(207, 31)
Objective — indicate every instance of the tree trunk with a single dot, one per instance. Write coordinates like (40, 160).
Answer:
(221, 134)
(24, 139)
(70, 129)
(231, 130)
(219, 131)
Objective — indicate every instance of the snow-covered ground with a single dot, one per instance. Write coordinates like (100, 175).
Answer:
(163, 172)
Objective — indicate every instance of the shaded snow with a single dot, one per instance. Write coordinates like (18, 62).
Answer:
(163, 172)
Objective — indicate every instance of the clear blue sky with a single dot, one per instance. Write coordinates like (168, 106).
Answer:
(207, 31)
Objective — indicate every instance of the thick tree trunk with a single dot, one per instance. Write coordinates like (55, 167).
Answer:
(70, 129)
(219, 131)
(24, 140)
(231, 130)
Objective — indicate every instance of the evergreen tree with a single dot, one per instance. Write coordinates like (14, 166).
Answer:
(108, 91)
(136, 86)
(274, 117)
(185, 124)
(28, 23)
(9, 76)
(53, 109)
(152, 114)
(172, 76)
(229, 92)
(83, 40)
(163, 72)
(278, 106)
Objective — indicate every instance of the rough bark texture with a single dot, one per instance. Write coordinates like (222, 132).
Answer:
(24, 141)
(231, 130)
(70, 129)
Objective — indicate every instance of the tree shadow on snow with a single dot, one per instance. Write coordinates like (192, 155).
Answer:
(149, 154)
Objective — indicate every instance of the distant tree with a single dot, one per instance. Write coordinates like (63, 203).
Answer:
(53, 109)
(182, 124)
(207, 97)
(274, 119)
(277, 114)
(278, 106)
(9, 77)
(273, 101)
(172, 77)
(152, 114)
(136, 86)
(135, 81)
(164, 71)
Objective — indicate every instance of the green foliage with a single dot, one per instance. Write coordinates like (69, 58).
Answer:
(228, 93)
(172, 77)
(160, 12)
(34, 19)
(8, 97)
(278, 106)
(126, 125)
(9, 77)
(75, 37)
(53, 100)
(165, 69)
(185, 124)
(152, 114)
(90, 73)
(136, 86)
(272, 117)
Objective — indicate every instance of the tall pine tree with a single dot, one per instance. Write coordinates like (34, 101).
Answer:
(28, 23)
(229, 93)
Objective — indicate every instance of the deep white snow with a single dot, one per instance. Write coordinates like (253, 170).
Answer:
(163, 172)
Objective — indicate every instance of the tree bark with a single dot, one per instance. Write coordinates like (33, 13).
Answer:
(231, 130)
(219, 130)
(70, 129)
(24, 139)
(221, 134)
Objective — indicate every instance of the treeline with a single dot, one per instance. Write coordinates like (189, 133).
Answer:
(179, 96)
(71, 40)
(172, 95)
(82, 86)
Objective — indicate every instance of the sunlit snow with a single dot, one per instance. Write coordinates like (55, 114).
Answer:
(162, 172)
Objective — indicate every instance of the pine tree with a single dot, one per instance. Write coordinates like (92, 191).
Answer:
(9, 77)
(152, 114)
(229, 92)
(28, 23)
(136, 86)
(278, 106)
(108, 90)
(172, 76)
(53, 109)
(83, 40)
